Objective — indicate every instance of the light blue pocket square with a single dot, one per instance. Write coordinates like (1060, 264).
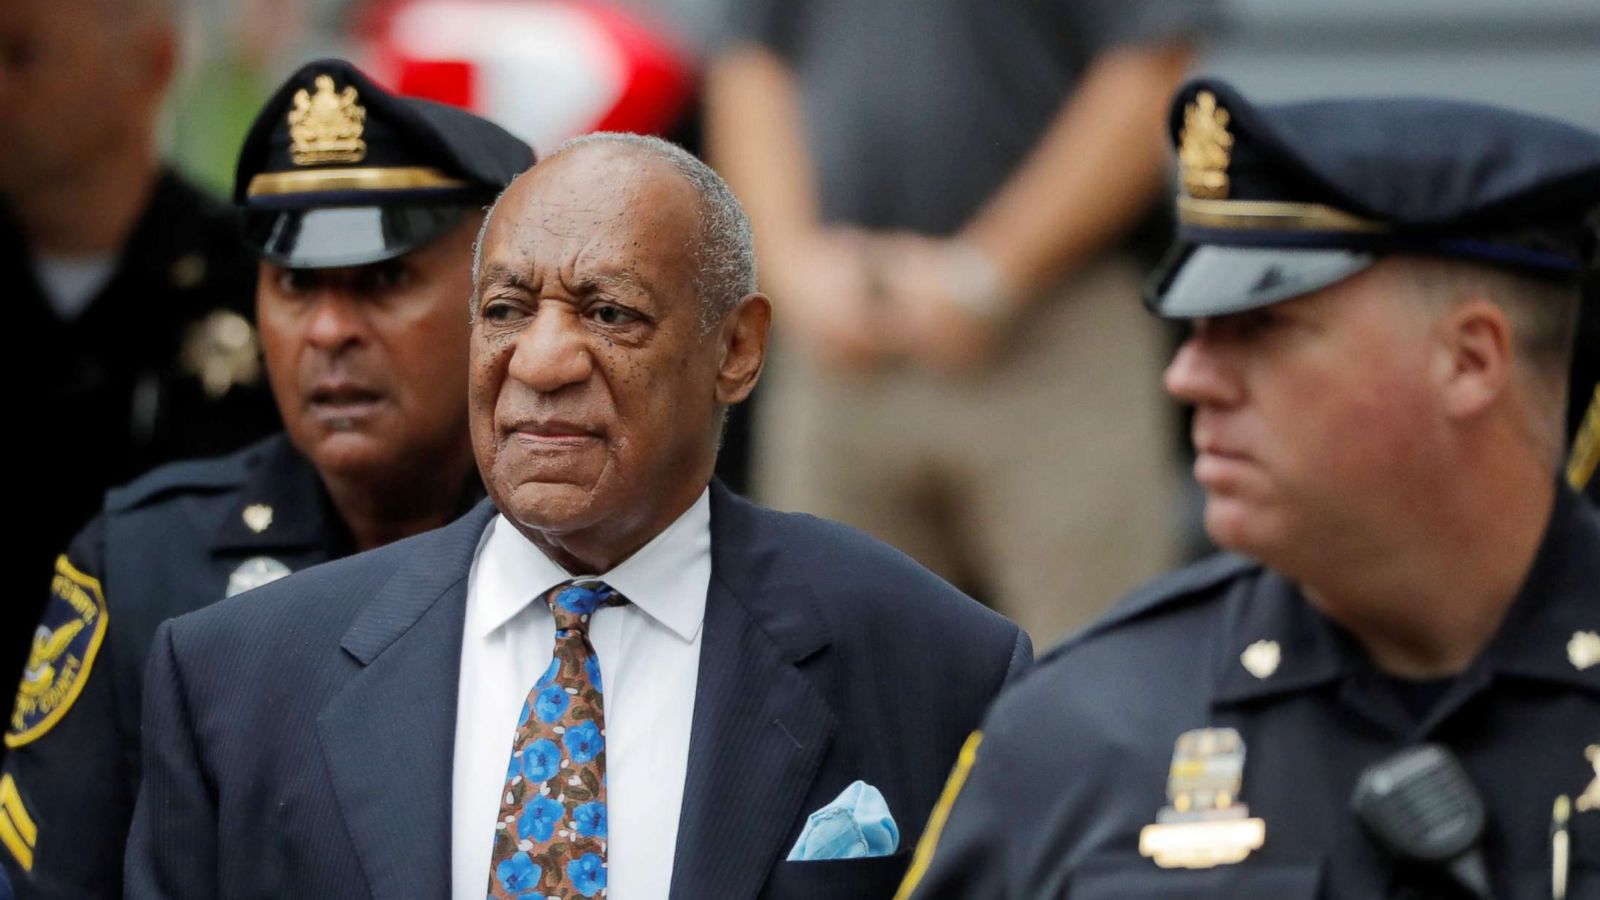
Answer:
(856, 824)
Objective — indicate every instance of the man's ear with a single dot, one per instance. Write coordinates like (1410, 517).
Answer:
(743, 337)
(1475, 357)
(155, 51)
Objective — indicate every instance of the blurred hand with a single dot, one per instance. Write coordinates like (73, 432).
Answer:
(920, 278)
(824, 294)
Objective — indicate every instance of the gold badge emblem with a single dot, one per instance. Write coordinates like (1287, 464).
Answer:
(1590, 798)
(1204, 148)
(325, 127)
(222, 351)
(64, 648)
(1203, 824)
(257, 517)
(1583, 650)
(1261, 658)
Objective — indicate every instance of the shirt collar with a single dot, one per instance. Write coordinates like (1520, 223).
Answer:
(1306, 649)
(1275, 642)
(1560, 600)
(666, 579)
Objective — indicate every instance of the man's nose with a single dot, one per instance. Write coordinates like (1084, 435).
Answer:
(1198, 374)
(337, 321)
(551, 352)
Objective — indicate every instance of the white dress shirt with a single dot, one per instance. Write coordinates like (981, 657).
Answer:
(649, 654)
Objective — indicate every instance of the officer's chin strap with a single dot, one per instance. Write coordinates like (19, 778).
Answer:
(1420, 805)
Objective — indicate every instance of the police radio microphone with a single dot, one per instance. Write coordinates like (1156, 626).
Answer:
(1420, 805)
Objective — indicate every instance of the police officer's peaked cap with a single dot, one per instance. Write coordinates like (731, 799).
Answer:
(336, 171)
(1278, 201)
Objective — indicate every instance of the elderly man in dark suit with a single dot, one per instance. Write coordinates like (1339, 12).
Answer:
(615, 676)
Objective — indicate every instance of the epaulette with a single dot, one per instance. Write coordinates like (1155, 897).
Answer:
(214, 474)
(1166, 591)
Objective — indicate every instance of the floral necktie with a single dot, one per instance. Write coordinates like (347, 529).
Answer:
(550, 837)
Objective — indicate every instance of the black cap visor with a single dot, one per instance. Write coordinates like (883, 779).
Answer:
(1200, 280)
(326, 237)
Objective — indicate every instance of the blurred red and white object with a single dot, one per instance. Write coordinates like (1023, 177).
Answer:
(545, 70)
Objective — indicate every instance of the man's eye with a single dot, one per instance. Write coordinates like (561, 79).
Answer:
(500, 312)
(609, 314)
(1256, 321)
(387, 276)
(296, 281)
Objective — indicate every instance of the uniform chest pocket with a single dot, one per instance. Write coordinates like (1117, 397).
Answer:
(1242, 881)
(868, 878)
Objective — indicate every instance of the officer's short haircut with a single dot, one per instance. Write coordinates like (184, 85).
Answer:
(724, 247)
(1544, 323)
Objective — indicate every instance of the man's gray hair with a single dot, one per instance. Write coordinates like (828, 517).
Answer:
(724, 249)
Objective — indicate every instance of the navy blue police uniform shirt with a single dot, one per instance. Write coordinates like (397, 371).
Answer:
(161, 366)
(182, 537)
(173, 541)
(1072, 764)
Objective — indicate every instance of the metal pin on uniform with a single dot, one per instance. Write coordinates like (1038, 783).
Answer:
(1560, 848)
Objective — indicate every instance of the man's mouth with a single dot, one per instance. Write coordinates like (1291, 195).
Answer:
(552, 434)
(344, 400)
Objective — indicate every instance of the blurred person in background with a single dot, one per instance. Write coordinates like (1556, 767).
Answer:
(133, 288)
(362, 208)
(943, 194)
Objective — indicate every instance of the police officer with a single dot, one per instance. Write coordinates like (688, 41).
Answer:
(1382, 295)
(362, 207)
(132, 287)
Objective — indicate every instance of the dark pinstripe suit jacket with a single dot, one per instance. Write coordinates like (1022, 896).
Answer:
(298, 738)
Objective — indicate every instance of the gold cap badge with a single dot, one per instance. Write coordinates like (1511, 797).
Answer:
(325, 127)
(1204, 148)
(1583, 650)
(1203, 824)
(258, 517)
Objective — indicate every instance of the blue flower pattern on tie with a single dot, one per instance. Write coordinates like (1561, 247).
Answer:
(583, 742)
(551, 703)
(588, 874)
(539, 818)
(541, 761)
(590, 819)
(550, 837)
(518, 876)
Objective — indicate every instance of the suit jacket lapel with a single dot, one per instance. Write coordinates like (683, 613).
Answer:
(389, 734)
(760, 727)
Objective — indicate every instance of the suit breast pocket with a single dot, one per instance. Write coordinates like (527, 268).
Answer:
(868, 878)
(1243, 881)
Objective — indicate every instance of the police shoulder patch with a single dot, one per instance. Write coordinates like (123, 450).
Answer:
(64, 648)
